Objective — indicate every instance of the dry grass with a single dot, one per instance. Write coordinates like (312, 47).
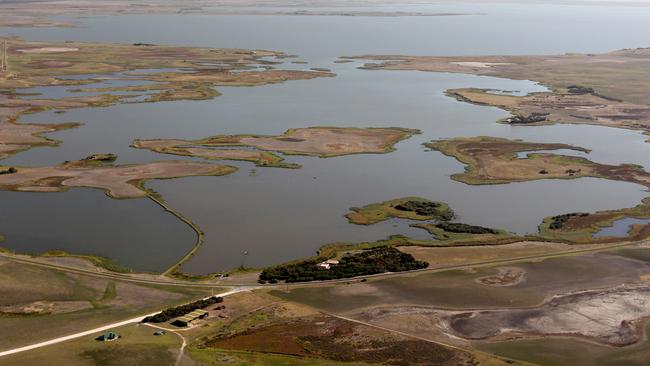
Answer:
(492, 160)
(104, 301)
(118, 181)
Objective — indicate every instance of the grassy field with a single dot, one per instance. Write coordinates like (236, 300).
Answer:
(452, 256)
(137, 346)
(40, 304)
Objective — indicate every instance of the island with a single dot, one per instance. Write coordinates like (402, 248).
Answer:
(119, 181)
(492, 160)
(606, 89)
(154, 73)
(312, 141)
(413, 208)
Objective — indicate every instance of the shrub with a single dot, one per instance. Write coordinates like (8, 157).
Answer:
(557, 222)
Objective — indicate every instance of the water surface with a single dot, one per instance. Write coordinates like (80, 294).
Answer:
(138, 233)
(278, 214)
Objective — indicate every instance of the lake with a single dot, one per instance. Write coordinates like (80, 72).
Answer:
(279, 214)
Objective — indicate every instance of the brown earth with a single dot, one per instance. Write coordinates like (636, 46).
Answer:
(587, 109)
(316, 141)
(506, 276)
(329, 338)
(118, 181)
(492, 160)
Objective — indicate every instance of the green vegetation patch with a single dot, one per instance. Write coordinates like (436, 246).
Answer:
(119, 355)
(413, 208)
(456, 227)
(580, 227)
(366, 262)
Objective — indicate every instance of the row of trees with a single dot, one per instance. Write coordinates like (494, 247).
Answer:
(455, 227)
(181, 310)
(367, 262)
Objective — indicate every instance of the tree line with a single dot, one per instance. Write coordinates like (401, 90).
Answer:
(456, 227)
(171, 313)
(367, 262)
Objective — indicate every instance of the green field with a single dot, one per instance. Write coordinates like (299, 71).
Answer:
(72, 302)
(137, 346)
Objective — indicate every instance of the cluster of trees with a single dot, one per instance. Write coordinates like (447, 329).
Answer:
(425, 208)
(367, 262)
(455, 227)
(557, 222)
(532, 118)
(577, 89)
(181, 310)
(101, 157)
(10, 170)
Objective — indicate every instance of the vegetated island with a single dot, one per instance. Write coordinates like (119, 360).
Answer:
(569, 228)
(166, 73)
(422, 209)
(413, 208)
(579, 227)
(365, 262)
(607, 89)
(97, 171)
(311, 141)
(492, 160)
(203, 149)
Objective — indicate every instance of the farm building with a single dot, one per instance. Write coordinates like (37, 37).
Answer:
(184, 321)
(328, 263)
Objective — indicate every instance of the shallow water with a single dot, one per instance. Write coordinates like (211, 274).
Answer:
(621, 227)
(280, 214)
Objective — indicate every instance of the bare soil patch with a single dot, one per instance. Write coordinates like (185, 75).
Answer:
(506, 276)
(608, 316)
